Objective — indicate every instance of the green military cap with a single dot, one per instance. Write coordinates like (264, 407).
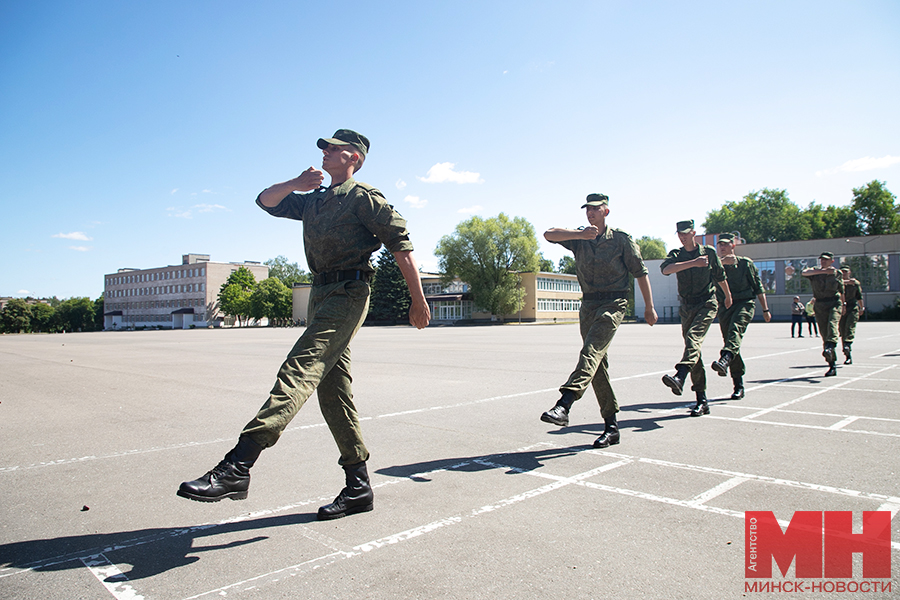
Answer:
(346, 137)
(828, 255)
(684, 226)
(845, 268)
(726, 237)
(596, 200)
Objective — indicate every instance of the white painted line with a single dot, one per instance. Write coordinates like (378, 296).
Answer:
(716, 491)
(111, 577)
(812, 394)
(883, 354)
(848, 389)
(802, 426)
(842, 423)
(892, 507)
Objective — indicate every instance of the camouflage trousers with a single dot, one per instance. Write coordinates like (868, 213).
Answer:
(320, 362)
(828, 318)
(733, 321)
(847, 324)
(599, 321)
(695, 322)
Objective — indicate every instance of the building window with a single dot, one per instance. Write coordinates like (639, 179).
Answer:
(449, 310)
(548, 284)
(871, 271)
(558, 305)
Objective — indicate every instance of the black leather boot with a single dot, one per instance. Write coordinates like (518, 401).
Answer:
(848, 359)
(738, 387)
(229, 479)
(676, 382)
(357, 497)
(721, 366)
(832, 370)
(610, 435)
(702, 406)
(829, 354)
(559, 414)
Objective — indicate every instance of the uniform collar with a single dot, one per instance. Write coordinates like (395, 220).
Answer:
(341, 189)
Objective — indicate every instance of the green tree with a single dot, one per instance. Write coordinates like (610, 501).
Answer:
(16, 317)
(289, 273)
(567, 265)
(98, 313)
(390, 300)
(271, 299)
(76, 314)
(651, 248)
(830, 221)
(234, 295)
(546, 265)
(43, 317)
(763, 216)
(487, 254)
(874, 206)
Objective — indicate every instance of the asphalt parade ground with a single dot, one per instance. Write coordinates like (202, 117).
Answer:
(475, 497)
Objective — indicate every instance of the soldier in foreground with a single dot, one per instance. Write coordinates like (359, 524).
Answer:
(603, 259)
(343, 225)
(828, 293)
(852, 309)
(699, 270)
(743, 281)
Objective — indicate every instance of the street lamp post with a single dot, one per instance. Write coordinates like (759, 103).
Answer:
(866, 261)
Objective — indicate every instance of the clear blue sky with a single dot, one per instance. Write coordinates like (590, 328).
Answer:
(132, 133)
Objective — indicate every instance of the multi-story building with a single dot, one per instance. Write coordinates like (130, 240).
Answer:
(176, 296)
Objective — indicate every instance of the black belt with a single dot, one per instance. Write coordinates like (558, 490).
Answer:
(699, 299)
(336, 276)
(594, 296)
(831, 299)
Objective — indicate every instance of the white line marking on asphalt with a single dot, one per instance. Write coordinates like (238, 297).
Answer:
(842, 423)
(892, 507)
(812, 394)
(802, 426)
(716, 491)
(111, 577)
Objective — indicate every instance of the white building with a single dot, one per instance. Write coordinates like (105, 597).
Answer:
(177, 296)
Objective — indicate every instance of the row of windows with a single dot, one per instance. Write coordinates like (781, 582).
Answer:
(557, 285)
(184, 288)
(558, 305)
(871, 271)
(457, 287)
(180, 303)
(156, 276)
(167, 318)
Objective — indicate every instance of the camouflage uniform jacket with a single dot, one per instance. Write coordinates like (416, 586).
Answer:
(603, 263)
(743, 281)
(827, 287)
(696, 285)
(852, 294)
(344, 225)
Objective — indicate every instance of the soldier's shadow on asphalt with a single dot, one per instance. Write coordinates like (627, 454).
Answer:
(149, 551)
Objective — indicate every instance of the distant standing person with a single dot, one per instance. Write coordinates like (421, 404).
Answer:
(698, 270)
(828, 289)
(852, 309)
(343, 225)
(798, 316)
(746, 289)
(810, 310)
(604, 257)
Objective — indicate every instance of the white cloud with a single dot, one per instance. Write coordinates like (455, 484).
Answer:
(415, 201)
(200, 208)
(173, 191)
(23, 293)
(75, 235)
(210, 207)
(79, 248)
(862, 164)
(443, 172)
(400, 184)
(471, 210)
